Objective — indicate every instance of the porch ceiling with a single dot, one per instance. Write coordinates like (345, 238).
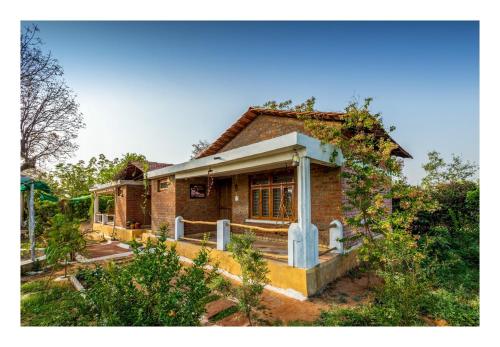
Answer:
(268, 154)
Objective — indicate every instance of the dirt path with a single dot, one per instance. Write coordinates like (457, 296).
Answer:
(282, 310)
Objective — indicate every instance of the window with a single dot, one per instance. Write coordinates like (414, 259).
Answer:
(271, 196)
(163, 184)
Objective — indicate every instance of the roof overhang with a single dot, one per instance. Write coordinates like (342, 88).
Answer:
(108, 185)
(268, 154)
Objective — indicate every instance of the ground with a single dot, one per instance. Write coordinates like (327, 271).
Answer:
(278, 309)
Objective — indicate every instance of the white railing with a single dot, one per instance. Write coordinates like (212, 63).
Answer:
(103, 218)
(98, 218)
(303, 245)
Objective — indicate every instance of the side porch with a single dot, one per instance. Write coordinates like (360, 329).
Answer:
(129, 216)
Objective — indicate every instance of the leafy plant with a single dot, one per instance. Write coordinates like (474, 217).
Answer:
(253, 273)
(153, 290)
(64, 240)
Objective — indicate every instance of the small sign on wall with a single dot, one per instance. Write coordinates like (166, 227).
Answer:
(197, 191)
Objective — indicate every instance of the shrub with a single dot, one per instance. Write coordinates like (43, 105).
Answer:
(253, 273)
(64, 240)
(455, 309)
(367, 315)
(153, 290)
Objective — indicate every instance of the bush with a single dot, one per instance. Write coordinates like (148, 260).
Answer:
(253, 273)
(453, 256)
(64, 240)
(44, 212)
(366, 315)
(153, 290)
(454, 308)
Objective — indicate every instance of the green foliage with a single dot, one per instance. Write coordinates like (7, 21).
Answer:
(44, 212)
(306, 106)
(58, 305)
(450, 234)
(431, 235)
(68, 180)
(253, 273)
(453, 256)
(455, 307)
(224, 313)
(438, 171)
(64, 240)
(153, 290)
(367, 315)
(163, 232)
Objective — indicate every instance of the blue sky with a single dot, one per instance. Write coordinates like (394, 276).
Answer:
(157, 87)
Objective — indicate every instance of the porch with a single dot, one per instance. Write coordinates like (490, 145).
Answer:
(126, 213)
(285, 190)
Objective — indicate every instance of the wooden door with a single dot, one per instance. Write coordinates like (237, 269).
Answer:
(225, 198)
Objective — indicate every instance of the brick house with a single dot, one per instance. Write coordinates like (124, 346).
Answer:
(132, 203)
(264, 172)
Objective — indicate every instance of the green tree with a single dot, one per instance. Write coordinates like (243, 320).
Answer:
(253, 273)
(72, 180)
(64, 241)
(438, 171)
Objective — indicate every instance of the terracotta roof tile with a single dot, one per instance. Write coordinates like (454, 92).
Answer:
(254, 112)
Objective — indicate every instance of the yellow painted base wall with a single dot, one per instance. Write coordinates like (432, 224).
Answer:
(125, 235)
(306, 282)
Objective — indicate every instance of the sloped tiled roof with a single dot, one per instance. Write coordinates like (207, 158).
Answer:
(153, 165)
(254, 112)
(134, 170)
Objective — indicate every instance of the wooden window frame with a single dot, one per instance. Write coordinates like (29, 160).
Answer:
(269, 186)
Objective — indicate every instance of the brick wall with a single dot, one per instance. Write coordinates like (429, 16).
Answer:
(195, 209)
(326, 198)
(264, 128)
(121, 208)
(163, 206)
(135, 197)
(176, 201)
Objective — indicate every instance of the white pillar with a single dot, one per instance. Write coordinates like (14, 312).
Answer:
(31, 221)
(336, 232)
(223, 234)
(96, 206)
(303, 236)
(178, 228)
(295, 245)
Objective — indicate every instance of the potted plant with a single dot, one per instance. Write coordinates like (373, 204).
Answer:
(129, 224)
(137, 225)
